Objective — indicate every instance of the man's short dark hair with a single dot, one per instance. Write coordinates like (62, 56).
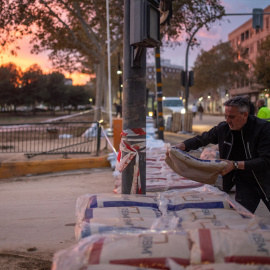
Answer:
(241, 103)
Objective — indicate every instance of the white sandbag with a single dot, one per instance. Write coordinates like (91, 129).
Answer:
(115, 220)
(194, 214)
(237, 246)
(113, 200)
(226, 266)
(203, 171)
(120, 213)
(198, 200)
(205, 197)
(235, 224)
(177, 222)
(85, 229)
(117, 267)
(210, 153)
(144, 250)
(172, 265)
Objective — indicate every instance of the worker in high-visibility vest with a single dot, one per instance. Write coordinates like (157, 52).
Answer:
(263, 111)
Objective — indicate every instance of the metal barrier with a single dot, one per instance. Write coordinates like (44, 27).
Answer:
(50, 138)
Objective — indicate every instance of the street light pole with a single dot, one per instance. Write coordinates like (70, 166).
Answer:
(186, 74)
(119, 72)
(109, 62)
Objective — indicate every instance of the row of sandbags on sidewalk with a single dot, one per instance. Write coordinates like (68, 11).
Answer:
(159, 176)
(175, 229)
(179, 224)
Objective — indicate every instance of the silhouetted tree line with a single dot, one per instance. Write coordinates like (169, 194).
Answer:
(33, 87)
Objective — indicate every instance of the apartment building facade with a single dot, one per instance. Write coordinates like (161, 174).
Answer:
(249, 40)
(169, 72)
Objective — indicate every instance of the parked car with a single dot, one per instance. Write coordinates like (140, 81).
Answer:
(172, 104)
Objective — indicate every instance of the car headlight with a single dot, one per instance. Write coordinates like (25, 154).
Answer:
(183, 111)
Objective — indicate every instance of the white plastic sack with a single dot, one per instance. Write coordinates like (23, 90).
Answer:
(226, 266)
(237, 246)
(144, 250)
(89, 201)
(117, 267)
(115, 220)
(194, 214)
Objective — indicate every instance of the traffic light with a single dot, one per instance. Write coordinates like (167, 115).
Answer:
(183, 78)
(257, 20)
(144, 23)
(191, 78)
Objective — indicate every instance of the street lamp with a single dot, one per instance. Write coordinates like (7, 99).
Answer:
(119, 72)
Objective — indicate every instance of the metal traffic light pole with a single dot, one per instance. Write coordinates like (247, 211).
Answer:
(134, 103)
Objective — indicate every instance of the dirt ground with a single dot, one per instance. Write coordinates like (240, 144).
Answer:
(38, 215)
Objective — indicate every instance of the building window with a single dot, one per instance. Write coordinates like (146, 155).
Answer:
(247, 34)
(251, 32)
(246, 51)
(150, 76)
(257, 31)
(242, 37)
(267, 22)
(149, 69)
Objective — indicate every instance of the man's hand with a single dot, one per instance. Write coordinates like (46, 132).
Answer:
(229, 167)
(181, 146)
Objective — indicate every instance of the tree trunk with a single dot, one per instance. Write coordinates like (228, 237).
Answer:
(99, 89)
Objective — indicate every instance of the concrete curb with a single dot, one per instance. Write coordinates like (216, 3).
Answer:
(14, 169)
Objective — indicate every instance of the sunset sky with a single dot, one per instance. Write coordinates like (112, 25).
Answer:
(218, 32)
(24, 59)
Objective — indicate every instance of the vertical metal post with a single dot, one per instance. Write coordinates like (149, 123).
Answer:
(186, 75)
(120, 78)
(98, 137)
(109, 62)
(134, 103)
(159, 95)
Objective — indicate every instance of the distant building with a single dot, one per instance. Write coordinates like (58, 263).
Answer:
(170, 75)
(167, 70)
(68, 81)
(249, 39)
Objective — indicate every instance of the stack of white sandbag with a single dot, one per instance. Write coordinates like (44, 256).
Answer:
(149, 250)
(159, 176)
(115, 213)
(153, 250)
(176, 210)
(176, 229)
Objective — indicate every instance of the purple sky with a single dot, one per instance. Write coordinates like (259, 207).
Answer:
(218, 31)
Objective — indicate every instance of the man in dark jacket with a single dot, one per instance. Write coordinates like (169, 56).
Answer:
(244, 144)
